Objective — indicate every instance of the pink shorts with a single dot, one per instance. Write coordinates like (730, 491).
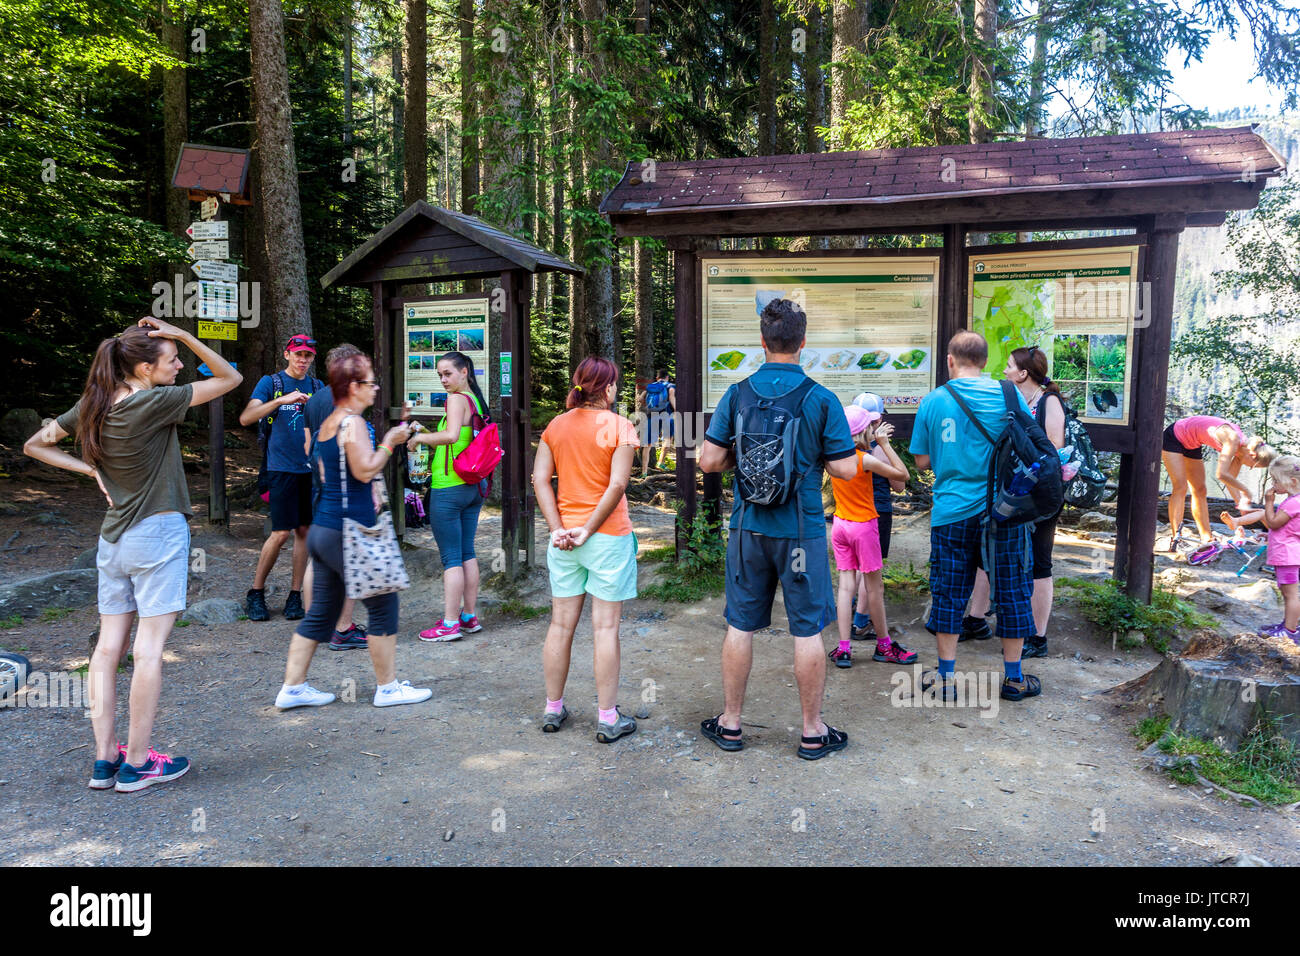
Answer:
(1288, 573)
(856, 545)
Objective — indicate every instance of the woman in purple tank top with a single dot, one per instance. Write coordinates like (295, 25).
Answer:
(1183, 454)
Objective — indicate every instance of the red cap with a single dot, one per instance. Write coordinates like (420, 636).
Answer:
(301, 343)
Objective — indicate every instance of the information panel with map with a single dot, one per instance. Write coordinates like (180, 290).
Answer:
(431, 329)
(1077, 305)
(871, 322)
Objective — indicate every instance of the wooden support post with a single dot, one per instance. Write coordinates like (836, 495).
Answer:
(1123, 514)
(690, 391)
(513, 438)
(952, 295)
(1151, 383)
(521, 373)
(218, 511)
(383, 364)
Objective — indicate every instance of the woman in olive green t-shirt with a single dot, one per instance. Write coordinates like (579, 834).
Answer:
(126, 424)
(454, 505)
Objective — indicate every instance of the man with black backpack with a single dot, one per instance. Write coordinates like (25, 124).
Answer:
(277, 405)
(959, 434)
(776, 429)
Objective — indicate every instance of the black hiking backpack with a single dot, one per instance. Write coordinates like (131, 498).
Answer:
(767, 430)
(1086, 488)
(1024, 481)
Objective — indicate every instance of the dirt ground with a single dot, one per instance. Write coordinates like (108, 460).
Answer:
(468, 778)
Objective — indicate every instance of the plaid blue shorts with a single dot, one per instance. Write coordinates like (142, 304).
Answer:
(954, 557)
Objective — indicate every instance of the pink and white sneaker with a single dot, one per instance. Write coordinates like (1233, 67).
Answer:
(158, 768)
(469, 624)
(441, 633)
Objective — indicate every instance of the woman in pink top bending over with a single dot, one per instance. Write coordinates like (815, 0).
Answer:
(1183, 453)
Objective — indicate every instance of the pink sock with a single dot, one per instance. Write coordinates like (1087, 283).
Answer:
(883, 642)
(555, 706)
(608, 716)
(846, 647)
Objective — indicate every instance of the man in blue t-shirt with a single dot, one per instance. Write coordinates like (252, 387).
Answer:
(946, 441)
(287, 471)
(782, 543)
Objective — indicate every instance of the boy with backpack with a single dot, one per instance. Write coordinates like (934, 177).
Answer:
(966, 431)
(277, 405)
(776, 429)
(660, 402)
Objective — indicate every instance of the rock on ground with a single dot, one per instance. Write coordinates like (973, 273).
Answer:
(62, 589)
(213, 611)
(19, 424)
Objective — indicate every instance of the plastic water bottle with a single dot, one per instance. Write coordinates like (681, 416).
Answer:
(1022, 483)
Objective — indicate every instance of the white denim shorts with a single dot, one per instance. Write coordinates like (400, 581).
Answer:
(147, 569)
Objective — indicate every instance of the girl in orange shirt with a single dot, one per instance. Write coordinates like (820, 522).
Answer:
(855, 539)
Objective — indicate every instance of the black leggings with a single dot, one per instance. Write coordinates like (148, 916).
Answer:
(325, 545)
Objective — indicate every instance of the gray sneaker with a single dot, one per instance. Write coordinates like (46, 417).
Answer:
(551, 722)
(608, 733)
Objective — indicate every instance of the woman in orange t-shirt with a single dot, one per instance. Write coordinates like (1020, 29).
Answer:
(593, 550)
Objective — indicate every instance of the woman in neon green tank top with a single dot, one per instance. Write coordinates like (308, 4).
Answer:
(453, 505)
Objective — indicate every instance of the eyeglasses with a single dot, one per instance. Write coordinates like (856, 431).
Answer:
(303, 340)
(371, 382)
(1032, 349)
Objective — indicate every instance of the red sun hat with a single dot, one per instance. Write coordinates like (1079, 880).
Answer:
(301, 343)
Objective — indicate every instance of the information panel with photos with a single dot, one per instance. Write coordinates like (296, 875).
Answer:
(1078, 306)
(872, 322)
(431, 329)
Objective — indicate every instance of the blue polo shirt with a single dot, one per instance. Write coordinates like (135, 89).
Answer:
(823, 436)
(959, 454)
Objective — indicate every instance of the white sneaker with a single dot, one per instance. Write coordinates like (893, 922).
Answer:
(304, 696)
(402, 693)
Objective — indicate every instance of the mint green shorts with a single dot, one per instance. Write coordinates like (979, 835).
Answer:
(604, 567)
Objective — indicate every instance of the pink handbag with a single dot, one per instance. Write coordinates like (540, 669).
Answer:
(479, 459)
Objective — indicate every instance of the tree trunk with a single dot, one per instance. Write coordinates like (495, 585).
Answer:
(347, 77)
(642, 263)
(286, 258)
(846, 37)
(814, 81)
(1034, 118)
(981, 80)
(399, 134)
(416, 113)
(767, 67)
(598, 281)
(468, 115)
(502, 94)
(578, 345)
(176, 124)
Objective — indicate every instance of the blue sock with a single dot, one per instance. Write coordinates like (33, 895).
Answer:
(1011, 670)
(947, 669)
(861, 620)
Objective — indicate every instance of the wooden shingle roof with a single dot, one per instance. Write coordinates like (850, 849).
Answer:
(895, 176)
(432, 244)
(212, 169)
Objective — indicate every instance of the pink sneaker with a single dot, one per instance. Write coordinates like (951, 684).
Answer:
(470, 624)
(441, 633)
(896, 654)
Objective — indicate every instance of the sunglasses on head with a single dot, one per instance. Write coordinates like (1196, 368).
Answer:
(302, 340)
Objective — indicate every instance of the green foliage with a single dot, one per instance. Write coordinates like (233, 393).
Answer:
(911, 578)
(667, 552)
(700, 570)
(11, 621)
(51, 614)
(1105, 603)
(1266, 766)
(514, 607)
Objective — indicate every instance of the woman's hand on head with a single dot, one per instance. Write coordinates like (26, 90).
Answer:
(159, 329)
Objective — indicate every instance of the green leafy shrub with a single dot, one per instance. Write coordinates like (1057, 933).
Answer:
(1266, 766)
(699, 571)
(1105, 604)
